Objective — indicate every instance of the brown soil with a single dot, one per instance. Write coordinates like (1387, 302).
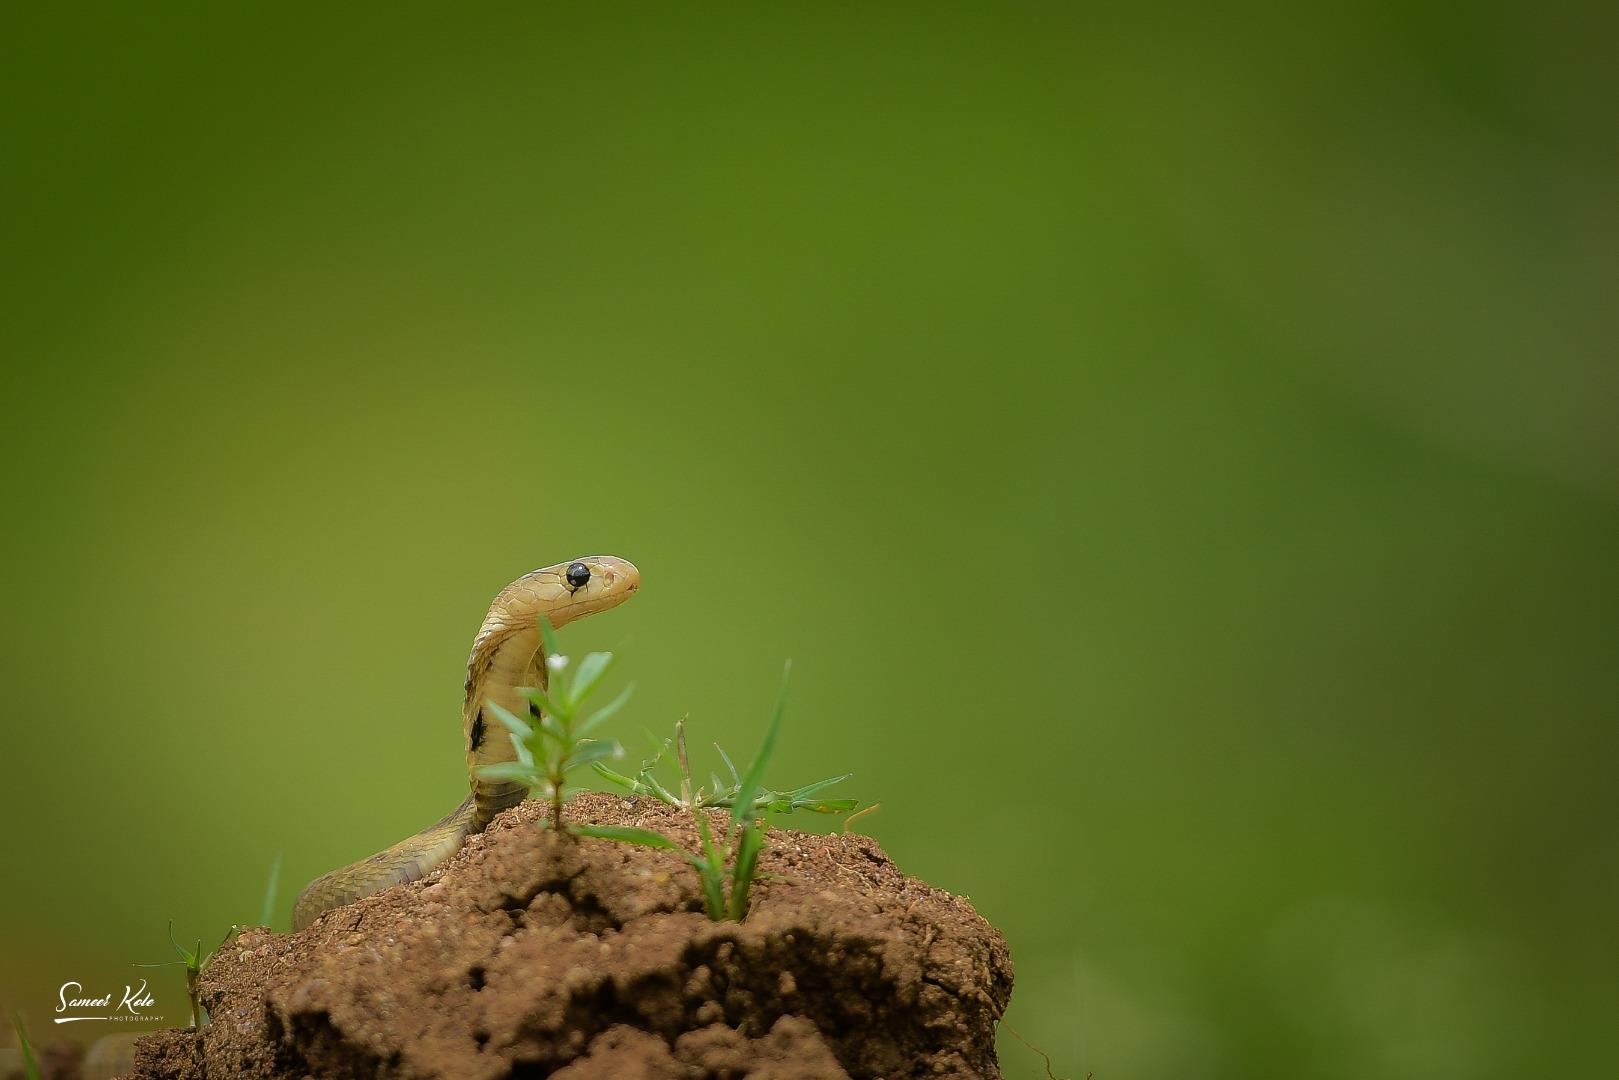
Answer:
(531, 955)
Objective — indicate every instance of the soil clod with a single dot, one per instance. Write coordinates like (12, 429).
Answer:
(532, 955)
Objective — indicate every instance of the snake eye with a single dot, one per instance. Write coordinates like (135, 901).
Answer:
(578, 574)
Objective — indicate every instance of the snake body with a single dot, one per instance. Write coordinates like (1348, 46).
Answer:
(506, 656)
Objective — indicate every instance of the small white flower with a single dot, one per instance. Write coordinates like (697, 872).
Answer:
(557, 662)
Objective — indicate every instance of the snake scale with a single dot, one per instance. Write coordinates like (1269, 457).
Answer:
(506, 655)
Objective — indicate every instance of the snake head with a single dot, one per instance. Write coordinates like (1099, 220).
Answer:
(560, 593)
(580, 587)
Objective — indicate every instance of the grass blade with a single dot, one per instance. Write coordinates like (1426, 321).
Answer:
(627, 834)
(749, 789)
(735, 779)
(747, 860)
(711, 870)
(267, 908)
(30, 1066)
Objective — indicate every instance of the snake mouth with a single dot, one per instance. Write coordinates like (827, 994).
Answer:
(617, 575)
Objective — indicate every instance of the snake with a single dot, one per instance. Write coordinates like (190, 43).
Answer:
(507, 657)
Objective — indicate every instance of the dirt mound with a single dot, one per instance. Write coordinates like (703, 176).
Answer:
(531, 955)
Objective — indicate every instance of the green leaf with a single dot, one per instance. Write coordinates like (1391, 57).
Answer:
(591, 670)
(185, 957)
(594, 720)
(591, 751)
(829, 806)
(548, 637)
(614, 778)
(511, 770)
(799, 794)
(634, 786)
(552, 729)
(512, 722)
(628, 834)
(555, 680)
(524, 754)
(29, 1064)
(658, 790)
(735, 779)
(752, 782)
(713, 890)
(711, 870)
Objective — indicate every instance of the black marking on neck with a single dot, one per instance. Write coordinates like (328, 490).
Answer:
(477, 730)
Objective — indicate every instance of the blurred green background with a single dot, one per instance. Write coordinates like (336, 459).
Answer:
(1178, 453)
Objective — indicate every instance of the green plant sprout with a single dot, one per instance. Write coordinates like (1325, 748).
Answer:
(194, 961)
(556, 741)
(734, 858)
(722, 796)
(30, 1066)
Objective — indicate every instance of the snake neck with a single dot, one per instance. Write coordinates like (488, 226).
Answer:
(507, 661)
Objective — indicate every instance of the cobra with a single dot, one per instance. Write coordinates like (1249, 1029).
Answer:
(506, 655)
